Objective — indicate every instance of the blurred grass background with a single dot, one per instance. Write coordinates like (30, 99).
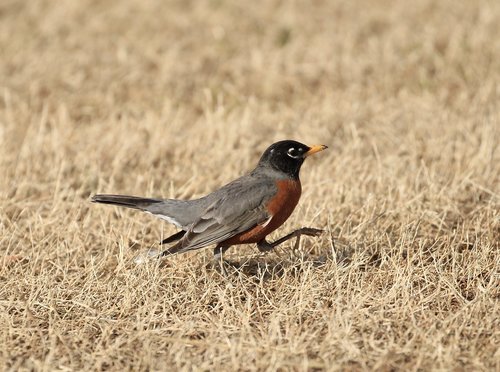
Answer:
(175, 98)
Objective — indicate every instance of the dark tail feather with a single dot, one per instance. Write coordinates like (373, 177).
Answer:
(125, 201)
(173, 238)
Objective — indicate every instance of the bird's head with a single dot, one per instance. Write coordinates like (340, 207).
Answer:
(287, 156)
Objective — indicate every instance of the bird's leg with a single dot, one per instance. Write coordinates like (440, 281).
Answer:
(218, 262)
(265, 246)
(218, 252)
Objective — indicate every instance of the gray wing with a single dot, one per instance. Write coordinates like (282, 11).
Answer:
(179, 212)
(235, 208)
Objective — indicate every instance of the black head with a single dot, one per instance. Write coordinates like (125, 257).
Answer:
(287, 156)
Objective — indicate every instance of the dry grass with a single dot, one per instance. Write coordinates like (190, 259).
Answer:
(174, 99)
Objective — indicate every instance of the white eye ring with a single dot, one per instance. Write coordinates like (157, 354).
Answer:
(291, 150)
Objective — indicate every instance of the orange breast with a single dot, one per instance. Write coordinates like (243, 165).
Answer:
(280, 208)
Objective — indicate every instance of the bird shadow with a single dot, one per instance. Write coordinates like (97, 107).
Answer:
(268, 269)
(344, 255)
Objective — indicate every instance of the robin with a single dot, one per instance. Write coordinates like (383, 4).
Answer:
(244, 211)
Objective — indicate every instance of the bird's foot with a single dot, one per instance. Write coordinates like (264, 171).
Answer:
(264, 246)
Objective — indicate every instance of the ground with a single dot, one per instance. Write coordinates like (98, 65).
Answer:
(175, 98)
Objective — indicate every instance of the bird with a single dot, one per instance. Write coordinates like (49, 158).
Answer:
(243, 211)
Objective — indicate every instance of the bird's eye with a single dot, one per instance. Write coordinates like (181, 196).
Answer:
(293, 153)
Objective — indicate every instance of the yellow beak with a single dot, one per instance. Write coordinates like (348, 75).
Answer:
(314, 149)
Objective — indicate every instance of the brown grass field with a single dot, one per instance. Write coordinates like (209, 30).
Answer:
(175, 98)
